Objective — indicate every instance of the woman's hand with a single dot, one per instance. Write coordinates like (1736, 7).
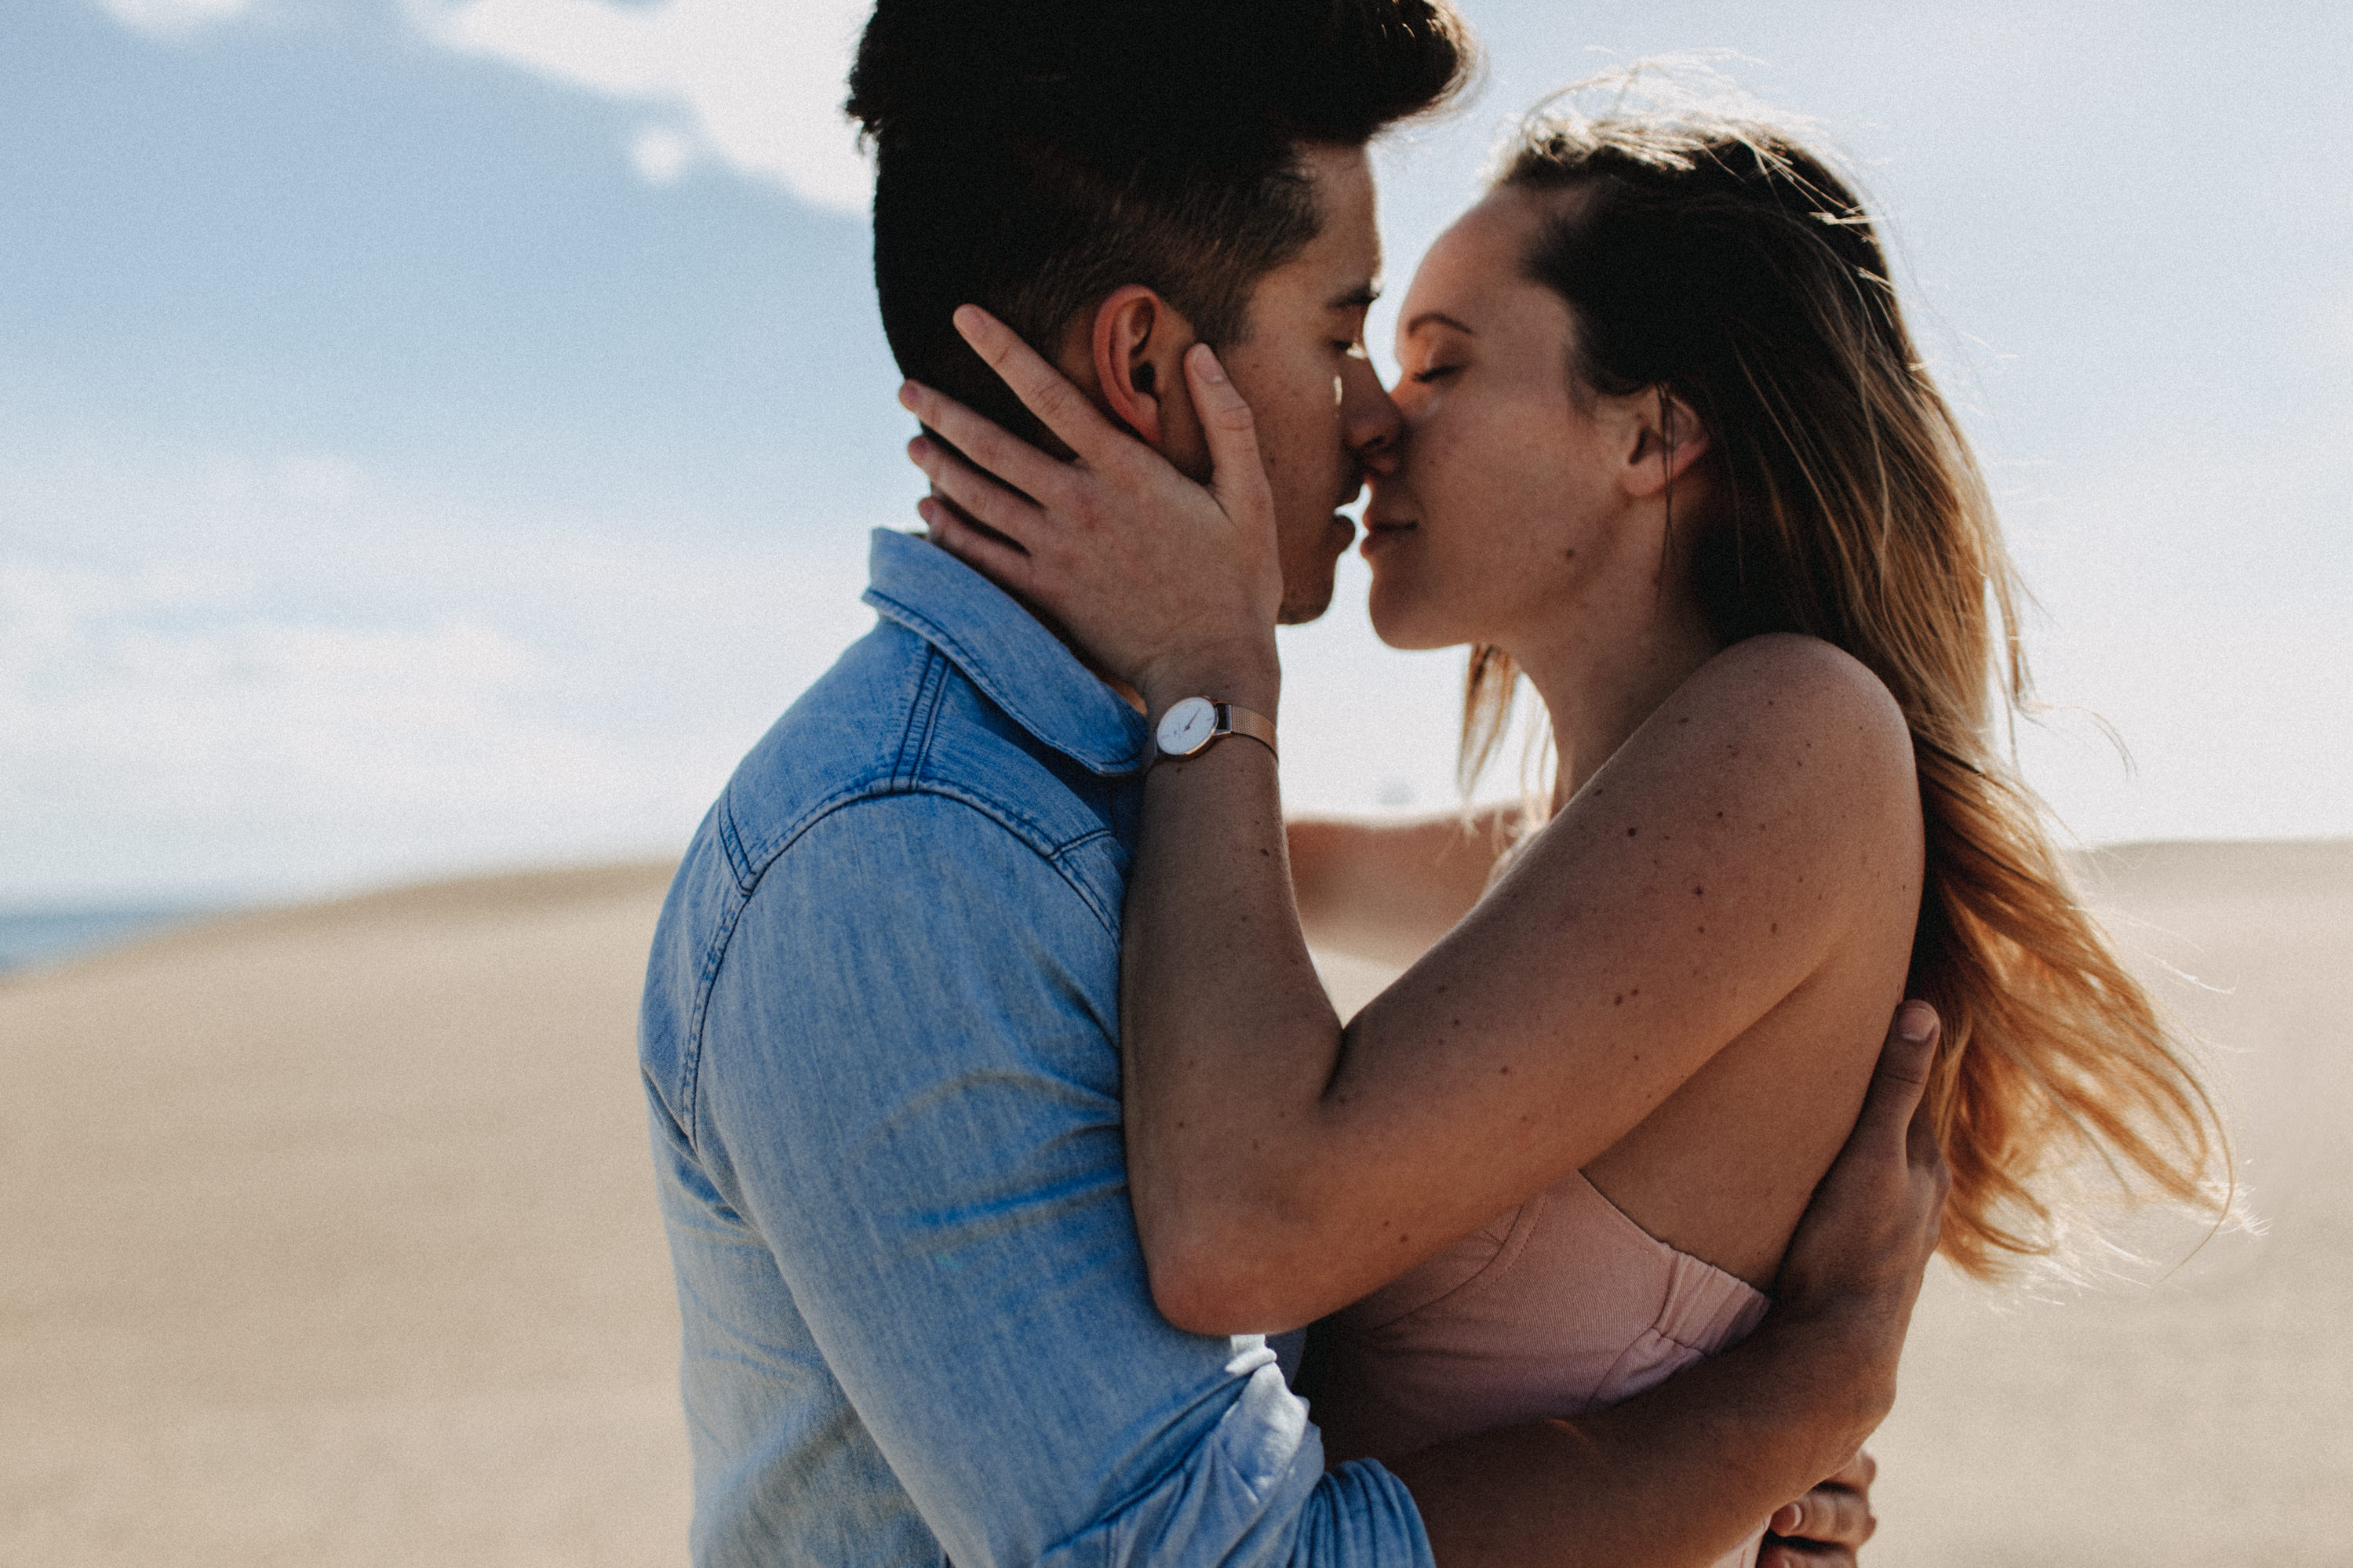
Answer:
(1171, 586)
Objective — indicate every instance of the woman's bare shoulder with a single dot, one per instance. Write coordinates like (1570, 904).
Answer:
(1782, 758)
(1806, 690)
(1806, 668)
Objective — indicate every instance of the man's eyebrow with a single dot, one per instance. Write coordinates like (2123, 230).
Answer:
(1360, 297)
(1441, 318)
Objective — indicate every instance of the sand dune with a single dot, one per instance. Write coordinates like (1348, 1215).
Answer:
(330, 1240)
(2208, 1418)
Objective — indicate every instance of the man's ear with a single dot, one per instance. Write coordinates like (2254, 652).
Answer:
(1138, 352)
(1665, 439)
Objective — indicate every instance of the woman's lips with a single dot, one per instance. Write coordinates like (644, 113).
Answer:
(1379, 534)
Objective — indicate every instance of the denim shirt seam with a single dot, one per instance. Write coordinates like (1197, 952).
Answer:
(922, 719)
(730, 841)
(1058, 854)
(976, 669)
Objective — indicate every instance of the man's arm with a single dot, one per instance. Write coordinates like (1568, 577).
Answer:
(1387, 891)
(1682, 1473)
(908, 1090)
(907, 1086)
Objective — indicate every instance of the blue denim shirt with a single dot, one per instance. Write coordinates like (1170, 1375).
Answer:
(880, 1043)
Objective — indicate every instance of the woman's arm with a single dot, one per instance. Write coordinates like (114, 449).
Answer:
(1281, 1167)
(1387, 891)
(1678, 1473)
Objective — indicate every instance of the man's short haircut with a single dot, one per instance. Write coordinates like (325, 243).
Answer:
(1033, 155)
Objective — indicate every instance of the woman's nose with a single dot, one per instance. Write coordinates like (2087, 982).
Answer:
(1369, 420)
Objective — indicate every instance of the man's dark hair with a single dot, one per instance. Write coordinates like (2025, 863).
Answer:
(1033, 155)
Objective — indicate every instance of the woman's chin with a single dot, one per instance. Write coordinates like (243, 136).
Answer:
(1398, 626)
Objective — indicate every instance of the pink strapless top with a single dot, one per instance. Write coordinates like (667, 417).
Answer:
(1562, 1306)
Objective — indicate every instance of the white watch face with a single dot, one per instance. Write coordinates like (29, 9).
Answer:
(1186, 727)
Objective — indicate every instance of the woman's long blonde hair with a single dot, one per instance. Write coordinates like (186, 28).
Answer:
(1710, 257)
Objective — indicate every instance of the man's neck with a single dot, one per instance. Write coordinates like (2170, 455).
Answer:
(1120, 689)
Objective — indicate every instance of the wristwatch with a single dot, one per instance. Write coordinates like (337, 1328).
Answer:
(1197, 723)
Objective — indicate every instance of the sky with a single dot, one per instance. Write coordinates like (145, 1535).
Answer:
(438, 437)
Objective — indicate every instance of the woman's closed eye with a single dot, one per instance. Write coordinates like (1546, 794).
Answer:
(1434, 373)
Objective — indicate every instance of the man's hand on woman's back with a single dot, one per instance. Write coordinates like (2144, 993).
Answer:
(1676, 1474)
(1854, 1266)
(1828, 1526)
(1862, 1248)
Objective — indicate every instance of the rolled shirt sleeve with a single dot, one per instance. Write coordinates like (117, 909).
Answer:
(907, 1087)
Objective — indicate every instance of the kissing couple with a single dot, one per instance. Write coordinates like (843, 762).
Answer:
(1007, 1140)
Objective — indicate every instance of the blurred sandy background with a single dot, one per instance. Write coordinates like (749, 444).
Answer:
(329, 1239)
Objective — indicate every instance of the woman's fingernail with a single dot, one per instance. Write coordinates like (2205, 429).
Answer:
(1918, 1022)
(1212, 371)
(1785, 1518)
(967, 319)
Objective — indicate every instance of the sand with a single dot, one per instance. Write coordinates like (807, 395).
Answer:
(2207, 1418)
(329, 1239)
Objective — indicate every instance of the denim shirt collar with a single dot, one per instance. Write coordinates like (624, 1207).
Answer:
(1004, 650)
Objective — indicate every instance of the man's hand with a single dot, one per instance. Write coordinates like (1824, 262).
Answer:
(1854, 1266)
(1828, 1526)
(1859, 1254)
(1680, 1472)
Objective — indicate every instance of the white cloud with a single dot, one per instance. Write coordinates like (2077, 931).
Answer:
(759, 82)
(279, 685)
(172, 18)
(279, 673)
(105, 679)
(661, 153)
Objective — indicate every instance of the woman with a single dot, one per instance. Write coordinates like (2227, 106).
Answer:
(1672, 455)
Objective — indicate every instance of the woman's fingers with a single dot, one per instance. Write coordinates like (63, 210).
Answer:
(1138, 563)
(1005, 563)
(1014, 516)
(985, 442)
(1236, 470)
(1043, 390)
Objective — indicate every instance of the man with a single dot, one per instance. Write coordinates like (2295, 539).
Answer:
(880, 1038)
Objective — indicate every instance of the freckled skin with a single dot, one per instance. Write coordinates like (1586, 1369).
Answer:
(1702, 1077)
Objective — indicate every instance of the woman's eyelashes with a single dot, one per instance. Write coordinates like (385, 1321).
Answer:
(1429, 373)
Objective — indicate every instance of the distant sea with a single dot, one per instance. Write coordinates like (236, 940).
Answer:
(29, 937)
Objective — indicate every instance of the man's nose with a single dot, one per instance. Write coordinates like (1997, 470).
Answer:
(1370, 421)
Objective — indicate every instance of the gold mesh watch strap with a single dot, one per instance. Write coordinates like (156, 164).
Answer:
(1235, 720)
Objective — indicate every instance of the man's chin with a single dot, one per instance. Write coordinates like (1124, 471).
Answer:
(1298, 611)
(1308, 594)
